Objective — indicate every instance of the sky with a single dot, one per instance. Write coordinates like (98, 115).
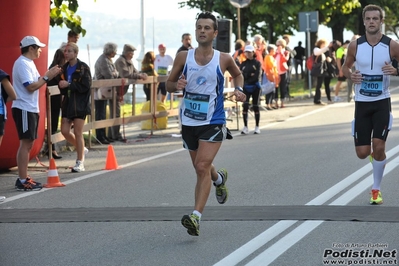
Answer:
(169, 9)
(161, 9)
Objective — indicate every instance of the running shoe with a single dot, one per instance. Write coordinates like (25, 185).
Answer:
(376, 197)
(244, 131)
(222, 192)
(257, 130)
(86, 151)
(191, 222)
(2, 198)
(79, 167)
(29, 184)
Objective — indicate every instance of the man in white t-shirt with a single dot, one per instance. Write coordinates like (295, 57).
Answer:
(25, 109)
(162, 64)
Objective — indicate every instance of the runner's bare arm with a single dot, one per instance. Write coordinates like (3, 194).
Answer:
(175, 73)
(227, 64)
(356, 77)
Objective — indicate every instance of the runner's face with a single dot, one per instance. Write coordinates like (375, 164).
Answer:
(372, 21)
(204, 31)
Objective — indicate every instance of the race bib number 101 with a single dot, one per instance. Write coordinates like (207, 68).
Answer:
(196, 106)
(371, 85)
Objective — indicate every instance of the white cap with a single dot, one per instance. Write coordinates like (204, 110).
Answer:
(249, 48)
(31, 40)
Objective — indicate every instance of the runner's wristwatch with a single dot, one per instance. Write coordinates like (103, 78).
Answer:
(45, 78)
(239, 89)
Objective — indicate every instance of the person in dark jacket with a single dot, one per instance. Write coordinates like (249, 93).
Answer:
(252, 71)
(55, 107)
(75, 86)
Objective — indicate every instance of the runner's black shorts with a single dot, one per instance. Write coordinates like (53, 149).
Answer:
(372, 120)
(26, 123)
(191, 135)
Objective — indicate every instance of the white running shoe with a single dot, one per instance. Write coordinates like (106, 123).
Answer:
(86, 151)
(2, 198)
(257, 130)
(244, 131)
(79, 167)
(337, 99)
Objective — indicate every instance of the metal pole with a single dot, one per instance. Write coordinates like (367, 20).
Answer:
(309, 51)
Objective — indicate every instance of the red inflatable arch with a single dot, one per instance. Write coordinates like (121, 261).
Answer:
(18, 19)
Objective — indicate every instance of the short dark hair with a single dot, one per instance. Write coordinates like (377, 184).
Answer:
(373, 8)
(71, 34)
(184, 35)
(25, 49)
(206, 15)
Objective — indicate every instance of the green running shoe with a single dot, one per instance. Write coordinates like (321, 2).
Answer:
(191, 222)
(376, 197)
(222, 192)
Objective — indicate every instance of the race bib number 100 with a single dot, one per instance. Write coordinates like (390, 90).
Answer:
(371, 85)
(196, 106)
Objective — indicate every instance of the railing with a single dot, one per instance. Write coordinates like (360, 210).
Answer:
(92, 124)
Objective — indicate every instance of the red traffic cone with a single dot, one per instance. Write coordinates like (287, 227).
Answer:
(111, 163)
(53, 180)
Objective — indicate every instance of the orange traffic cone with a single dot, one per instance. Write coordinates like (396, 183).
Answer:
(53, 180)
(111, 163)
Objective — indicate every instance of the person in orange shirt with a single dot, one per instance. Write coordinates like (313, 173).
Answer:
(271, 73)
(239, 55)
(260, 49)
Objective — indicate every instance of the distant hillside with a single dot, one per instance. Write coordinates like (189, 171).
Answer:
(102, 28)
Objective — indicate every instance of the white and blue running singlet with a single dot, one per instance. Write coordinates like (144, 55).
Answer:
(369, 61)
(203, 96)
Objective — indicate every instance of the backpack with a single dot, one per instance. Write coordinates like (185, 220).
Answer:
(309, 62)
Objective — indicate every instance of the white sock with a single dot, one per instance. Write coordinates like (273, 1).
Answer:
(198, 214)
(22, 180)
(219, 180)
(378, 172)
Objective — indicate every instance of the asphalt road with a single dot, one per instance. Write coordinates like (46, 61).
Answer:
(298, 196)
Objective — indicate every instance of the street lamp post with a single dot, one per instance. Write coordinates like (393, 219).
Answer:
(239, 4)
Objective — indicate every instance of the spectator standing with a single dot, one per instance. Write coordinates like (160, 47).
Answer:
(331, 67)
(239, 55)
(204, 129)
(252, 71)
(148, 67)
(300, 55)
(162, 64)
(75, 83)
(55, 107)
(104, 69)
(125, 67)
(271, 73)
(291, 54)
(319, 51)
(73, 36)
(340, 54)
(282, 56)
(25, 109)
(186, 43)
(260, 49)
(372, 54)
(7, 94)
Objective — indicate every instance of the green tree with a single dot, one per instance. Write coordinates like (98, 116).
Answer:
(62, 12)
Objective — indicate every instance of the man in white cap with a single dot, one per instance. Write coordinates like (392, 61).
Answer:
(25, 109)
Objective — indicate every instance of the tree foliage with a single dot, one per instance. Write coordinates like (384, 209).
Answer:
(273, 18)
(62, 12)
